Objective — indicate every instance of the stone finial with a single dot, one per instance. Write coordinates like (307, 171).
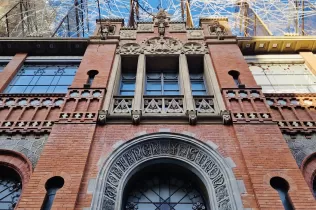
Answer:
(161, 20)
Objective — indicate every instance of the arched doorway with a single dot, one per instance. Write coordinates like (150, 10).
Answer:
(164, 186)
(215, 185)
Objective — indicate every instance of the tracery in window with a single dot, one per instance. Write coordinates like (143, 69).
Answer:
(284, 78)
(10, 188)
(164, 187)
(43, 78)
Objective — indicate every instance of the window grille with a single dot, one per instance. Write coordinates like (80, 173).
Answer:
(284, 78)
(10, 188)
(43, 79)
(164, 193)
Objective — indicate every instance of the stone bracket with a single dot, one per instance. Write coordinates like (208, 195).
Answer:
(102, 114)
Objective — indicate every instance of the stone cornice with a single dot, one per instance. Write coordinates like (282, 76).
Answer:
(276, 44)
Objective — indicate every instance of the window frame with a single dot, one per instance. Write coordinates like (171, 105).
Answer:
(44, 60)
(162, 83)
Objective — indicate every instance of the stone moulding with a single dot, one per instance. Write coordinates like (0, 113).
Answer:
(201, 159)
(162, 45)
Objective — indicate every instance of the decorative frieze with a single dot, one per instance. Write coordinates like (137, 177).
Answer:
(122, 105)
(127, 34)
(195, 34)
(293, 112)
(172, 105)
(177, 27)
(162, 45)
(247, 106)
(204, 105)
(145, 27)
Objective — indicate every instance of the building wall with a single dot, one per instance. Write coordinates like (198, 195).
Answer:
(78, 144)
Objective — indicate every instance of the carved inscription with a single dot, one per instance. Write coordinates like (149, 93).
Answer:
(147, 150)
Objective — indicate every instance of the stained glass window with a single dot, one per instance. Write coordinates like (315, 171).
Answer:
(164, 191)
(10, 188)
(43, 79)
(162, 83)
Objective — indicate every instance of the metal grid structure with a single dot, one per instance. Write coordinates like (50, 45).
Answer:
(76, 18)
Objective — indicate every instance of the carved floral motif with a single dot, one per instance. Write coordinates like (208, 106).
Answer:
(194, 48)
(162, 45)
(130, 48)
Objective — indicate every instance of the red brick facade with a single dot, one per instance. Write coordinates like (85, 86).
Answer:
(77, 148)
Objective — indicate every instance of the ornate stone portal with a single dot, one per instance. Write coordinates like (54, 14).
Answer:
(199, 158)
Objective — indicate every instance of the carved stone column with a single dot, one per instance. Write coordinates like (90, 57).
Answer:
(139, 89)
(187, 92)
(115, 75)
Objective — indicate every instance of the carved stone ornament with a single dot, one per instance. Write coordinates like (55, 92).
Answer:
(215, 28)
(226, 116)
(192, 117)
(128, 34)
(146, 27)
(102, 117)
(194, 48)
(162, 45)
(130, 49)
(195, 34)
(177, 27)
(136, 115)
(219, 180)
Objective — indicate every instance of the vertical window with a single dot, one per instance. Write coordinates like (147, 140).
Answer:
(128, 75)
(314, 186)
(162, 77)
(284, 78)
(52, 186)
(128, 81)
(41, 78)
(10, 188)
(196, 70)
(282, 187)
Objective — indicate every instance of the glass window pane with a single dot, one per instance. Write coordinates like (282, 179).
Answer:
(16, 89)
(61, 89)
(153, 86)
(171, 92)
(127, 86)
(22, 80)
(45, 80)
(198, 85)
(65, 80)
(198, 93)
(40, 89)
(127, 93)
(152, 93)
(171, 86)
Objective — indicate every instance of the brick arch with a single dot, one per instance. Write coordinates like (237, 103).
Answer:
(308, 168)
(18, 162)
